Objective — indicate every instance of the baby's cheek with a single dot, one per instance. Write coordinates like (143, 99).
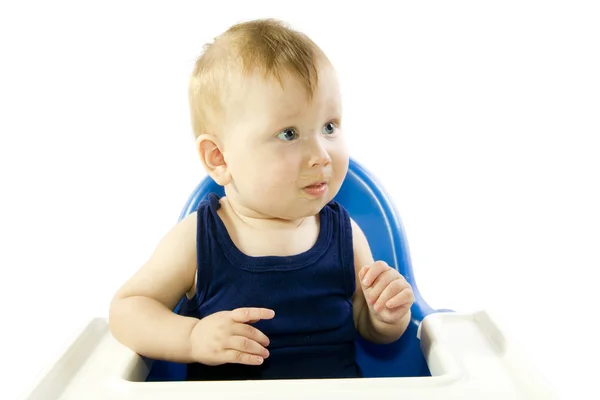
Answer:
(282, 172)
(340, 169)
(277, 171)
(275, 181)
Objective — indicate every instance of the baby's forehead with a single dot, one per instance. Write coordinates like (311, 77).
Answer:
(283, 96)
(265, 106)
(285, 82)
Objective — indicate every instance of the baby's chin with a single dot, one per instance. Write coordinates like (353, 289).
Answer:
(296, 210)
(310, 206)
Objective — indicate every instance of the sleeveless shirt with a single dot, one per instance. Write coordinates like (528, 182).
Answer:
(312, 334)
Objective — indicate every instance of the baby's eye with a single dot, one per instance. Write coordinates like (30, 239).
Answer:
(328, 128)
(287, 134)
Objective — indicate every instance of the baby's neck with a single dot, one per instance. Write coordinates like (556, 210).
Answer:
(259, 235)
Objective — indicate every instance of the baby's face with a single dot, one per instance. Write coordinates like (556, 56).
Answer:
(286, 155)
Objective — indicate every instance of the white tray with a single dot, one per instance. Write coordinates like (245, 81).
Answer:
(467, 354)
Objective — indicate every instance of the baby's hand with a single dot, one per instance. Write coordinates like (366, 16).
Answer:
(226, 337)
(387, 293)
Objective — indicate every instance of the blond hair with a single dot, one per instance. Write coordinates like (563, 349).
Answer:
(266, 46)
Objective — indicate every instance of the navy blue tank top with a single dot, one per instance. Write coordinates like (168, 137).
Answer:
(312, 334)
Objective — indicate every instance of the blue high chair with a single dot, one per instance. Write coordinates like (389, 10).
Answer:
(364, 198)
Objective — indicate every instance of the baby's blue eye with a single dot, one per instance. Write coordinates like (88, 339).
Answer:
(328, 128)
(287, 134)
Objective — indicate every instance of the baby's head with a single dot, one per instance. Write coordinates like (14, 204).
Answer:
(266, 111)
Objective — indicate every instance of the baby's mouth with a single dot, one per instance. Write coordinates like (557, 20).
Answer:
(316, 189)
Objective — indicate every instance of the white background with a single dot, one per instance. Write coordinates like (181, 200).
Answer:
(481, 120)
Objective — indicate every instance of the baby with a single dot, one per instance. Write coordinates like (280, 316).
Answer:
(277, 279)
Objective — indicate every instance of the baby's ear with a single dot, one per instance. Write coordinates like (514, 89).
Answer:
(212, 158)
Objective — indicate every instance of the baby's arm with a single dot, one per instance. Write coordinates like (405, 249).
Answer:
(141, 315)
(385, 317)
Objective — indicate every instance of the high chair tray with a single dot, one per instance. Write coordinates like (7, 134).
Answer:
(467, 354)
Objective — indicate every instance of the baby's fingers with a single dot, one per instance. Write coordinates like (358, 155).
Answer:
(245, 345)
(405, 297)
(369, 274)
(249, 314)
(251, 333)
(239, 357)
(241, 350)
